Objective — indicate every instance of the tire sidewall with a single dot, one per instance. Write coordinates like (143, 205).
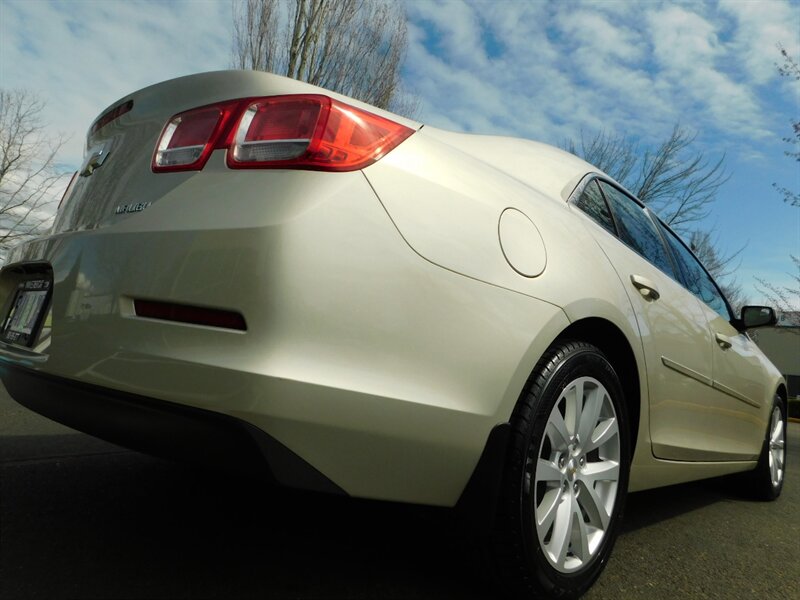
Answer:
(583, 361)
(774, 491)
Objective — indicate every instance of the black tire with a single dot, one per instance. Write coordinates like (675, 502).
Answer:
(759, 482)
(520, 561)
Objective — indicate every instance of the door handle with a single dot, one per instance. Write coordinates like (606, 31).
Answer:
(723, 340)
(646, 287)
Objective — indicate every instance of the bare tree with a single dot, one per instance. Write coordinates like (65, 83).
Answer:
(255, 35)
(784, 298)
(616, 155)
(28, 174)
(354, 47)
(790, 69)
(679, 183)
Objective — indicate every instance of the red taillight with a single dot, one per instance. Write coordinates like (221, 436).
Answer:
(311, 132)
(276, 130)
(279, 132)
(188, 139)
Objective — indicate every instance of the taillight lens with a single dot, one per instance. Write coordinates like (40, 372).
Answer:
(275, 129)
(278, 132)
(188, 139)
(311, 132)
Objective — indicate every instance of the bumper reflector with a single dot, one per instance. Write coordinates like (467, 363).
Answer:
(195, 315)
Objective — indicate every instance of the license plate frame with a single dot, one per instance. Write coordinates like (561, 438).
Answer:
(27, 312)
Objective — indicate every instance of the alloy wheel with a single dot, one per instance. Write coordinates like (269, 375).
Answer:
(576, 474)
(777, 447)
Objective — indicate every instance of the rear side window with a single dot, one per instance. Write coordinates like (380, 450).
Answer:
(591, 202)
(695, 276)
(637, 230)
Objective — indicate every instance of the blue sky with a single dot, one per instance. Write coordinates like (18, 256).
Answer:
(541, 70)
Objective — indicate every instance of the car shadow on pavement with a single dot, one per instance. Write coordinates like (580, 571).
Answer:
(85, 519)
(644, 509)
(81, 518)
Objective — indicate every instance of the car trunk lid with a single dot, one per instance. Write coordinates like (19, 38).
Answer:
(116, 180)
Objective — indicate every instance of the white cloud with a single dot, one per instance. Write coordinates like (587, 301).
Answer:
(593, 30)
(458, 30)
(682, 38)
(460, 85)
(688, 51)
(759, 27)
(610, 54)
(542, 70)
(82, 56)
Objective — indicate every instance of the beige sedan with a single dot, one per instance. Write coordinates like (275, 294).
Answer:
(255, 273)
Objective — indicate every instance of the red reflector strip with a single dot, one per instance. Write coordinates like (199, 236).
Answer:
(114, 113)
(195, 315)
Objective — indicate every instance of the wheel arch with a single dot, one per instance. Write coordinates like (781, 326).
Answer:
(611, 341)
(477, 504)
(781, 391)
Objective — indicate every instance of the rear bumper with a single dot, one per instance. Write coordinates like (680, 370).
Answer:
(163, 428)
(384, 372)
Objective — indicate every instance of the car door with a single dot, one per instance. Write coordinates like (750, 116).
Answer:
(678, 348)
(738, 370)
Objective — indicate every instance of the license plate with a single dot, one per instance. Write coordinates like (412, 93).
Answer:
(27, 312)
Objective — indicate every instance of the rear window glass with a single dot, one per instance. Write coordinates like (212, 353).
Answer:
(591, 202)
(637, 230)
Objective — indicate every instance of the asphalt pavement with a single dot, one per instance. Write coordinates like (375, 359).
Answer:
(80, 518)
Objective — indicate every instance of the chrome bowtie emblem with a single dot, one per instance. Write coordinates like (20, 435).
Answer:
(95, 158)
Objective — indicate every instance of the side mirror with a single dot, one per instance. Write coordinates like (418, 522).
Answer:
(757, 316)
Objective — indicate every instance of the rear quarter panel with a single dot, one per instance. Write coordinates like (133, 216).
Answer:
(447, 205)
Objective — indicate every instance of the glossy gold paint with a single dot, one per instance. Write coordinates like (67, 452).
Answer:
(387, 332)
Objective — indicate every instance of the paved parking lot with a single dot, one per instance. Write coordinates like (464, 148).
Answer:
(83, 519)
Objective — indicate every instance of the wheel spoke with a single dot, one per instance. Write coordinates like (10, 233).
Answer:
(606, 430)
(574, 406)
(594, 507)
(590, 414)
(557, 431)
(546, 511)
(547, 471)
(776, 457)
(777, 429)
(605, 470)
(580, 536)
(562, 531)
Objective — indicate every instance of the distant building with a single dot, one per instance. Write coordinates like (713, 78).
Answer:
(789, 318)
(782, 345)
